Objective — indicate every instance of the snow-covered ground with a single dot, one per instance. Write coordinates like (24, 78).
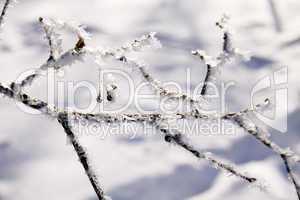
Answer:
(36, 161)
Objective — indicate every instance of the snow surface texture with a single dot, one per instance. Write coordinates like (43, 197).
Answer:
(36, 161)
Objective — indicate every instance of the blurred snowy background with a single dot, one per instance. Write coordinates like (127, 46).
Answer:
(36, 162)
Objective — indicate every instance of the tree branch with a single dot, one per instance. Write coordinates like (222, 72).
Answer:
(285, 154)
(4, 11)
(178, 139)
(275, 16)
(260, 135)
(291, 174)
(82, 155)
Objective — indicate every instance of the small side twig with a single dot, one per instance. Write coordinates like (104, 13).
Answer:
(146, 41)
(252, 129)
(210, 73)
(207, 77)
(229, 51)
(67, 58)
(179, 140)
(48, 33)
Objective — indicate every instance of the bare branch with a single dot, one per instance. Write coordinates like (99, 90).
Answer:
(179, 140)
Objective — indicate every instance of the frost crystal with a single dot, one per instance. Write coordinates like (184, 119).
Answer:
(146, 41)
(208, 60)
(107, 198)
(72, 26)
(261, 185)
(111, 87)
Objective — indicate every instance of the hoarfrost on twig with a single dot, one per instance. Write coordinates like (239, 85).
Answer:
(58, 60)
(6, 5)
(82, 155)
(178, 139)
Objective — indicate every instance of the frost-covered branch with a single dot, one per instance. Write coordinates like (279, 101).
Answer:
(241, 118)
(4, 11)
(68, 58)
(27, 100)
(58, 60)
(53, 38)
(291, 174)
(263, 137)
(145, 42)
(228, 53)
(229, 50)
(178, 139)
(82, 155)
(244, 122)
(162, 91)
(137, 118)
(63, 120)
(53, 111)
(209, 77)
(119, 54)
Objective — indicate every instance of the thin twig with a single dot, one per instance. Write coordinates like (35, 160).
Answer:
(25, 99)
(69, 57)
(275, 16)
(4, 11)
(162, 91)
(152, 119)
(227, 54)
(252, 129)
(207, 77)
(260, 135)
(53, 111)
(291, 174)
(238, 118)
(48, 36)
(82, 155)
(179, 140)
